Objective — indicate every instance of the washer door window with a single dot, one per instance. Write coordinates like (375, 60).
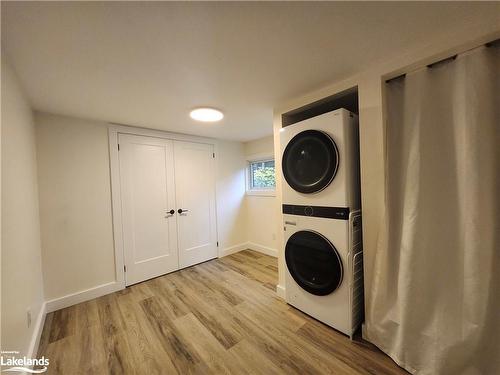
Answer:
(310, 161)
(313, 262)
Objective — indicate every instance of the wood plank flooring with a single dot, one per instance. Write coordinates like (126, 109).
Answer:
(219, 317)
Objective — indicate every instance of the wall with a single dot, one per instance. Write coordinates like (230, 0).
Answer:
(261, 216)
(22, 285)
(262, 146)
(231, 207)
(371, 117)
(75, 205)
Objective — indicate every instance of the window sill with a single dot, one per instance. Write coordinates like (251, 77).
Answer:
(262, 193)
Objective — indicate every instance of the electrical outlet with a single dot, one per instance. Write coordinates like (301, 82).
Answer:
(28, 318)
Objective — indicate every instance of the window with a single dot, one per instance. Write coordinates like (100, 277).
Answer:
(261, 176)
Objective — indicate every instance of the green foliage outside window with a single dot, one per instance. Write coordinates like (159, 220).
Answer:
(262, 175)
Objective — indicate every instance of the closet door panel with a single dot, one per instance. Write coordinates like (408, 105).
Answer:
(195, 196)
(148, 194)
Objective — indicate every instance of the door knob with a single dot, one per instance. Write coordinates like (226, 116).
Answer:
(170, 213)
(180, 210)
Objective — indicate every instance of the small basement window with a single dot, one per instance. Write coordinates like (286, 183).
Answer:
(261, 177)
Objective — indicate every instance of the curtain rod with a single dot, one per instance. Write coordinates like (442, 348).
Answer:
(493, 43)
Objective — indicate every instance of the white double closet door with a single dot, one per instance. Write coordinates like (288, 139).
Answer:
(168, 205)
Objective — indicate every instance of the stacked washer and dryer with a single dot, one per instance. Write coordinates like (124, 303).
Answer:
(322, 219)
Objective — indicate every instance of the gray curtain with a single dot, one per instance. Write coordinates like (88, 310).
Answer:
(435, 294)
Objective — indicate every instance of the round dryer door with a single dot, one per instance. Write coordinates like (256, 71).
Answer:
(313, 262)
(310, 161)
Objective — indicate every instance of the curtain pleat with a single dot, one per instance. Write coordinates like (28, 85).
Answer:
(435, 290)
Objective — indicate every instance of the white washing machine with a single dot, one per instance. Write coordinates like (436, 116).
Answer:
(320, 161)
(322, 221)
(324, 269)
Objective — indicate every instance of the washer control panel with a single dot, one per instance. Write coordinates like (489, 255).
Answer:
(339, 213)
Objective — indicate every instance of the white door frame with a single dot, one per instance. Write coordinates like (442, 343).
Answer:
(116, 201)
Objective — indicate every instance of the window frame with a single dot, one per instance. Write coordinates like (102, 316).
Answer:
(269, 192)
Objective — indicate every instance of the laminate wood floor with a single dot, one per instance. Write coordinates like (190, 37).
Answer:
(218, 317)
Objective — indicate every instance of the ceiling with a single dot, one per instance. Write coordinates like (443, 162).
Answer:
(149, 63)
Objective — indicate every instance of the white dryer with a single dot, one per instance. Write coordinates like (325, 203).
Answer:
(324, 269)
(322, 221)
(320, 161)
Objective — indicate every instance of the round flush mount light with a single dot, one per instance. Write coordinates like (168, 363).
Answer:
(206, 114)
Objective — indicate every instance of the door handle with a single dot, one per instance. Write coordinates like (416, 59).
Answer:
(290, 223)
(170, 213)
(181, 211)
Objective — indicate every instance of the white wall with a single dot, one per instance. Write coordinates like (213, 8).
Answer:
(75, 203)
(231, 208)
(22, 286)
(261, 215)
(261, 146)
(371, 117)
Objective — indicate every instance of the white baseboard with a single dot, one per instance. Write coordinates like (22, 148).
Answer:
(233, 249)
(84, 295)
(62, 302)
(263, 249)
(37, 332)
(249, 245)
(280, 291)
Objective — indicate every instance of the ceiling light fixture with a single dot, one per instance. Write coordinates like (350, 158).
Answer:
(206, 114)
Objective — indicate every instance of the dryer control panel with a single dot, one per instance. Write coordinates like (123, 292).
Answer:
(339, 213)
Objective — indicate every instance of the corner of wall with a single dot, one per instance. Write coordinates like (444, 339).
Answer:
(21, 236)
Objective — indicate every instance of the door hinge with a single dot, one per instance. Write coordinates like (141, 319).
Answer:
(217, 243)
(124, 268)
(213, 155)
(118, 147)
